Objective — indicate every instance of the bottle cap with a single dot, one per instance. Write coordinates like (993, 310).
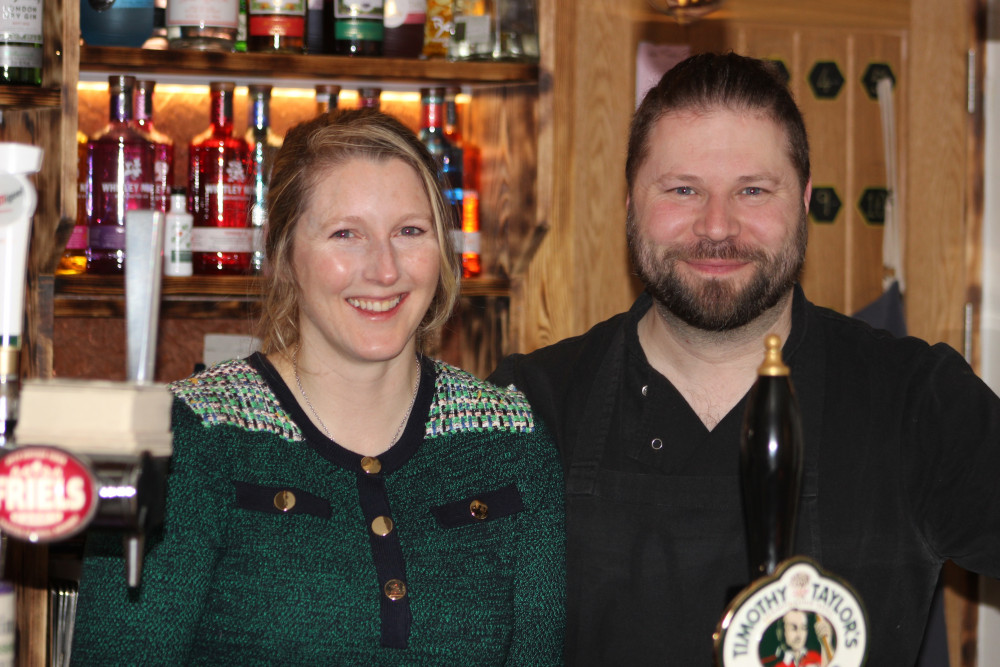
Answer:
(773, 366)
(20, 158)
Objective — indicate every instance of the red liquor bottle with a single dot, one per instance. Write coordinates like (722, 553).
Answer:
(219, 176)
(121, 177)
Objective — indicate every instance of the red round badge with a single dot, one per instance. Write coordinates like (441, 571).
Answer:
(46, 494)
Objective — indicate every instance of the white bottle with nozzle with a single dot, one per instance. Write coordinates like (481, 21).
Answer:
(177, 248)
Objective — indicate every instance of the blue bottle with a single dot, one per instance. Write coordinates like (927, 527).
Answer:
(116, 22)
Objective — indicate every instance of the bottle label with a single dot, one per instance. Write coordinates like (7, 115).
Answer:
(79, 239)
(358, 9)
(286, 26)
(359, 30)
(20, 56)
(275, 8)
(203, 13)
(474, 31)
(406, 12)
(458, 241)
(221, 239)
(471, 242)
(21, 21)
(107, 237)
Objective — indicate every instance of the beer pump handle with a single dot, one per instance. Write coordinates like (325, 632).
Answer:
(771, 455)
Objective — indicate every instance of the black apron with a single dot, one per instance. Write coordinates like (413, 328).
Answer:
(636, 544)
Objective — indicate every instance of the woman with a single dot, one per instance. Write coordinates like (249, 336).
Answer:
(340, 498)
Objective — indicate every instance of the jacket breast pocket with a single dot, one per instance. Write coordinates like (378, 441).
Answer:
(280, 500)
(479, 508)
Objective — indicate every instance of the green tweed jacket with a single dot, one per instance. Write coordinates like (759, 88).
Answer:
(281, 547)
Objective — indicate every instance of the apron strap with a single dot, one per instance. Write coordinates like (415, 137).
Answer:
(595, 427)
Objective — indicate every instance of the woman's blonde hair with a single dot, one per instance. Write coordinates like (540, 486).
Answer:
(311, 148)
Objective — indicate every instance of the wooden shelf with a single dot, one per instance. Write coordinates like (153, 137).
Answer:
(197, 296)
(30, 97)
(200, 65)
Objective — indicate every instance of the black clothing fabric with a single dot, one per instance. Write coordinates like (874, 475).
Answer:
(902, 448)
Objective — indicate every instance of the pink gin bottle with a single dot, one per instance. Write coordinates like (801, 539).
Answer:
(163, 166)
(121, 174)
(219, 186)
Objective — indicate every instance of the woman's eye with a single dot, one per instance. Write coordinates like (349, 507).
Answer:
(411, 231)
(342, 234)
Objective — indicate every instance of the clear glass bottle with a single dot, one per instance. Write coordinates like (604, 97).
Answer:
(219, 191)
(121, 177)
(494, 30)
(276, 25)
(21, 42)
(203, 25)
(327, 97)
(163, 167)
(447, 155)
(369, 98)
(404, 22)
(471, 240)
(358, 29)
(264, 144)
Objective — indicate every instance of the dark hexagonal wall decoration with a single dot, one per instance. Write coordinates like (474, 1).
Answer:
(824, 204)
(826, 80)
(873, 73)
(872, 205)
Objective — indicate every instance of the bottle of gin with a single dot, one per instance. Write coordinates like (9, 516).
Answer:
(327, 97)
(264, 145)
(370, 98)
(404, 28)
(447, 155)
(276, 25)
(163, 167)
(358, 29)
(219, 190)
(121, 175)
(21, 42)
(203, 25)
(471, 264)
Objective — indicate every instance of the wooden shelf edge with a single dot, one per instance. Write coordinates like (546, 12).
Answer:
(27, 97)
(288, 66)
(198, 296)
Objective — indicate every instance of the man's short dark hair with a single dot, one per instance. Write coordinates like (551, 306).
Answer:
(720, 81)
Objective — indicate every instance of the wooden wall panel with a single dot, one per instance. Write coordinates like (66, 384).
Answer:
(868, 168)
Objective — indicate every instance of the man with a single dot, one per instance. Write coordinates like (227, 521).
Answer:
(793, 634)
(901, 438)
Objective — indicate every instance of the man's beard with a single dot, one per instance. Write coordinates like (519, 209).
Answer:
(716, 304)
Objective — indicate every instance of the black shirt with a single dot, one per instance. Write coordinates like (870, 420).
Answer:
(902, 448)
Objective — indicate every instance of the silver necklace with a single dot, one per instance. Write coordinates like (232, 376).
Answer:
(399, 429)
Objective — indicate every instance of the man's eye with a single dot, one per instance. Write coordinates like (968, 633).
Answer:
(684, 190)
(753, 190)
